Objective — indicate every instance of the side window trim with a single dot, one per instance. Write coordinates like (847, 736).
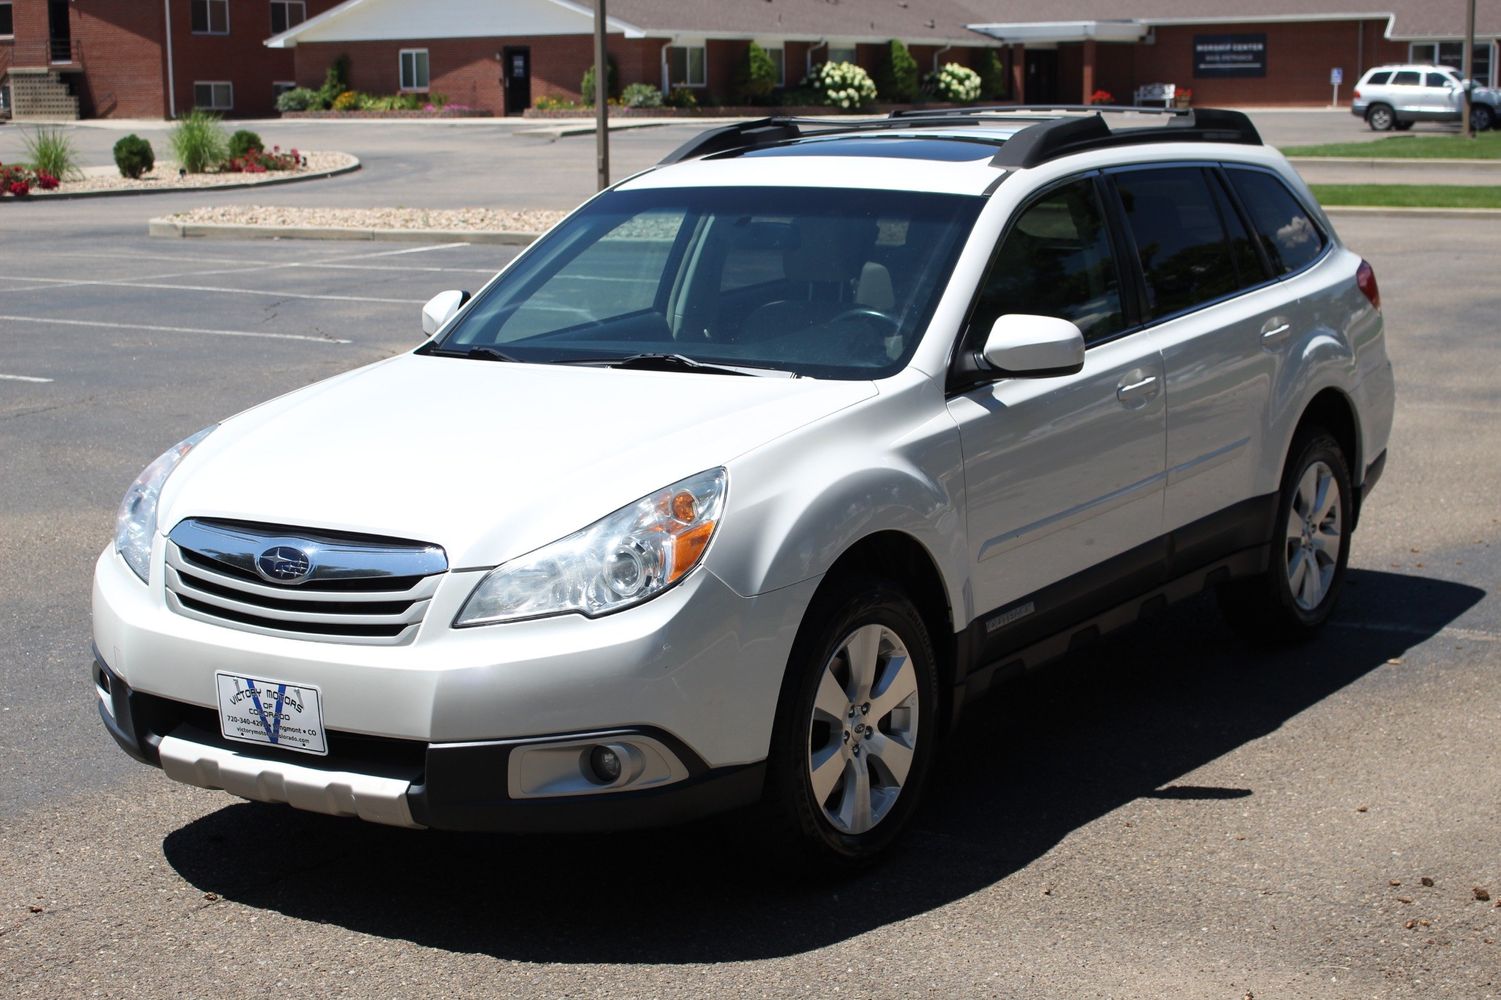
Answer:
(1324, 235)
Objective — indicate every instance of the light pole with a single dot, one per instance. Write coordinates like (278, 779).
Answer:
(602, 96)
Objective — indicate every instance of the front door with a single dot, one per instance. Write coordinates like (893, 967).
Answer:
(1062, 474)
(1042, 76)
(60, 31)
(518, 78)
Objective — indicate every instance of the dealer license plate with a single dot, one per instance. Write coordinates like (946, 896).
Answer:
(274, 713)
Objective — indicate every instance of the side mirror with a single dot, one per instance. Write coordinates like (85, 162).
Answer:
(440, 309)
(1034, 346)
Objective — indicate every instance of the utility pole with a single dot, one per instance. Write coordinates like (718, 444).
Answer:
(602, 96)
(1469, 65)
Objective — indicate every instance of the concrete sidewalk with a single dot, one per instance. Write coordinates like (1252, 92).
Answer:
(1342, 170)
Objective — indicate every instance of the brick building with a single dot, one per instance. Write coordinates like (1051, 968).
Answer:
(145, 58)
(503, 57)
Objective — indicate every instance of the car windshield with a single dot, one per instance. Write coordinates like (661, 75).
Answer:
(828, 283)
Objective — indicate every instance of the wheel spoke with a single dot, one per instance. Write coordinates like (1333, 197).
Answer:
(1326, 498)
(1294, 527)
(1297, 571)
(1327, 541)
(1307, 488)
(862, 649)
(831, 703)
(891, 756)
(854, 807)
(829, 764)
(1313, 589)
(898, 682)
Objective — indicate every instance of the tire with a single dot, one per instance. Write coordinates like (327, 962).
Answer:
(1310, 547)
(847, 767)
(1403, 126)
(1482, 117)
(1380, 117)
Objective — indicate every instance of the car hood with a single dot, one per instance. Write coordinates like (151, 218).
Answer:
(487, 459)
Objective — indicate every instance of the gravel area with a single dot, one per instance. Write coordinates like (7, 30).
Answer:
(164, 177)
(463, 219)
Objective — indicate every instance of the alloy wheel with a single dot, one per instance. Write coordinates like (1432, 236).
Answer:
(1314, 536)
(863, 731)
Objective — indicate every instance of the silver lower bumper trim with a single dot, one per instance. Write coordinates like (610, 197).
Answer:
(338, 793)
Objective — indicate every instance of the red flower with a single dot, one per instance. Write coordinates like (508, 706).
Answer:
(19, 188)
(46, 181)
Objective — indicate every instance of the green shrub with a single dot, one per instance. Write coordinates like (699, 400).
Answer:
(993, 82)
(50, 151)
(198, 142)
(896, 78)
(842, 85)
(299, 99)
(335, 81)
(801, 97)
(350, 100)
(641, 95)
(243, 142)
(439, 101)
(549, 103)
(612, 82)
(682, 97)
(134, 156)
(755, 77)
(956, 83)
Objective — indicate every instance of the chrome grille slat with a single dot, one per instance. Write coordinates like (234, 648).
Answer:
(356, 589)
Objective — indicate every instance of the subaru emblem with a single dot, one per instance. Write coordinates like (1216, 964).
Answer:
(284, 564)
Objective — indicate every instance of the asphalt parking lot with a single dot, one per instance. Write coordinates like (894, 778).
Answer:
(1165, 814)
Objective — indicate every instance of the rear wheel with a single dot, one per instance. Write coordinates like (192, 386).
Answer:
(856, 727)
(1482, 117)
(1310, 550)
(1381, 118)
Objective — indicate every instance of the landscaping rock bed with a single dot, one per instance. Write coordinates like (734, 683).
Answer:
(445, 113)
(164, 177)
(449, 220)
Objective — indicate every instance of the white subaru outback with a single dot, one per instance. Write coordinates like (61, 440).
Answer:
(736, 485)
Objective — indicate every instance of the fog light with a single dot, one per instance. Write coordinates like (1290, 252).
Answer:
(605, 765)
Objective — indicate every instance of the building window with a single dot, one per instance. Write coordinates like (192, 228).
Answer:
(214, 95)
(687, 66)
(779, 60)
(1453, 54)
(7, 25)
(287, 14)
(842, 53)
(210, 17)
(414, 69)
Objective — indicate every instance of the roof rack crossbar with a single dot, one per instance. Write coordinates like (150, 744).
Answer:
(1048, 139)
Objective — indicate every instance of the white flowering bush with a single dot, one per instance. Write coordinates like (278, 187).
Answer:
(955, 83)
(842, 84)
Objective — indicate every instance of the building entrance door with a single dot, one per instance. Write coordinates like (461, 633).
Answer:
(60, 31)
(518, 78)
(1042, 76)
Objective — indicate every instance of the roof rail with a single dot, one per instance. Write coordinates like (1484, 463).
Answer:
(1063, 136)
(1049, 138)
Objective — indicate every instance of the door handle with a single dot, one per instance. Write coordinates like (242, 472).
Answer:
(1275, 331)
(1136, 388)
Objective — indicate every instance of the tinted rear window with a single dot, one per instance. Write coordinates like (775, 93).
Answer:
(1377, 79)
(1407, 78)
(1180, 238)
(1286, 231)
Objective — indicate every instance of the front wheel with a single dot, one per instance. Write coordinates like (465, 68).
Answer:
(1481, 117)
(856, 727)
(1381, 118)
(1310, 550)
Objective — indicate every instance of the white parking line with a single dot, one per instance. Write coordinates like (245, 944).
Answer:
(156, 286)
(173, 329)
(398, 253)
(23, 378)
(1470, 634)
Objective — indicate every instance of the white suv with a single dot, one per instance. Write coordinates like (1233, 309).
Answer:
(1395, 97)
(741, 481)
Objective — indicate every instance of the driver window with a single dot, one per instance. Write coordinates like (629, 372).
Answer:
(1056, 260)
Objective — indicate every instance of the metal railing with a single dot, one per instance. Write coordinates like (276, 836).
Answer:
(47, 54)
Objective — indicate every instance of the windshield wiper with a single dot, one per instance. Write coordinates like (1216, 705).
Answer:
(672, 363)
(491, 354)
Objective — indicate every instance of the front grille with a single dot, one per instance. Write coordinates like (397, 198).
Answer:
(358, 589)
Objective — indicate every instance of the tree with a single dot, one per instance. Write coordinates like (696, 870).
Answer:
(993, 82)
(755, 77)
(612, 81)
(896, 77)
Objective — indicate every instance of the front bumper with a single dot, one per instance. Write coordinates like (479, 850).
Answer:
(404, 783)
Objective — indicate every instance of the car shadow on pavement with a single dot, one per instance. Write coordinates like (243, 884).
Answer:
(1032, 762)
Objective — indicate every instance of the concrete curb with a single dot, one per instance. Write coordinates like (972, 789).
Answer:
(319, 175)
(1413, 165)
(1415, 213)
(171, 229)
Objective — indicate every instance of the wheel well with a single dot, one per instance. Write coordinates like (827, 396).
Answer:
(1332, 411)
(900, 558)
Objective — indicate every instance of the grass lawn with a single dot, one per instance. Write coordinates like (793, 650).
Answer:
(1409, 195)
(1485, 146)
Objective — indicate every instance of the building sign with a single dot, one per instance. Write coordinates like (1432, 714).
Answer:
(1229, 55)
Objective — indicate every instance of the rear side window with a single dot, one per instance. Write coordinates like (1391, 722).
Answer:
(1179, 229)
(1290, 237)
(1056, 260)
(1407, 78)
(1377, 79)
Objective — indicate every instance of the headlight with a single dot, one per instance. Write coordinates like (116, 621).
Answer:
(628, 557)
(135, 525)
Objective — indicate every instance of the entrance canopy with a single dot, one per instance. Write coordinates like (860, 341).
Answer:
(1050, 32)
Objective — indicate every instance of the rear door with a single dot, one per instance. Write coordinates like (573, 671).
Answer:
(1406, 92)
(1064, 474)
